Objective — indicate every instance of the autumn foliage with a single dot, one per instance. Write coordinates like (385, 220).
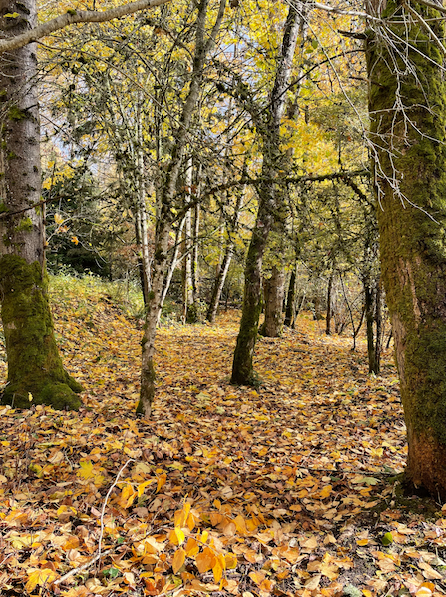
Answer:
(287, 489)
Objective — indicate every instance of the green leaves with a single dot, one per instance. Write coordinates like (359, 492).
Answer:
(387, 539)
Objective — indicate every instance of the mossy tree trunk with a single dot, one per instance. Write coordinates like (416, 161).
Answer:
(410, 151)
(271, 205)
(35, 371)
(242, 365)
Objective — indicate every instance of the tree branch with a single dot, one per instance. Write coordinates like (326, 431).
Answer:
(75, 16)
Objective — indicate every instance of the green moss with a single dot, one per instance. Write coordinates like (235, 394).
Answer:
(3, 208)
(71, 12)
(412, 244)
(25, 225)
(11, 156)
(14, 113)
(34, 364)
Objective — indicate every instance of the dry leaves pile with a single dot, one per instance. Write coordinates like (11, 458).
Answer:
(281, 490)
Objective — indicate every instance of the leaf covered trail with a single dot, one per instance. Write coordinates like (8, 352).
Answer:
(285, 489)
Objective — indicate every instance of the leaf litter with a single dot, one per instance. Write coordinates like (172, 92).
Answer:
(285, 489)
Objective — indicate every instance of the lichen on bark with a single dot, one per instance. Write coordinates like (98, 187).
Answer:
(35, 371)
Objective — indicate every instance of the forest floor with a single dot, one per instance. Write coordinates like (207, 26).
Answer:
(286, 489)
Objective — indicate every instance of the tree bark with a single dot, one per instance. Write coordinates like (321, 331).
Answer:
(195, 247)
(274, 290)
(166, 203)
(369, 305)
(35, 371)
(410, 151)
(188, 298)
(227, 258)
(329, 305)
(270, 207)
(378, 324)
(141, 208)
(290, 311)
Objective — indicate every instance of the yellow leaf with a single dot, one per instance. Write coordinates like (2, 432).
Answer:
(161, 481)
(178, 559)
(217, 571)
(179, 535)
(71, 543)
(257, 576)
(142, 486)
(86, 470)
(191, 547)
(190, 522)
(423, 592)
(128, 496)
(326, 491)
(40, 577)
(58, 219)
(205, 560)
(181, 516)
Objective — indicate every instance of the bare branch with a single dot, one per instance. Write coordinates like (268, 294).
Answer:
(75, 16)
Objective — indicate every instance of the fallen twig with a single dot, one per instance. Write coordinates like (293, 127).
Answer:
(101, 536)
(80, 568)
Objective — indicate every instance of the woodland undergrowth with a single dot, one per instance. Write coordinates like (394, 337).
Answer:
(287, 489)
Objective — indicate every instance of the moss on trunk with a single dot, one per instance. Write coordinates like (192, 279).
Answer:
(34, 364)
(411, 148)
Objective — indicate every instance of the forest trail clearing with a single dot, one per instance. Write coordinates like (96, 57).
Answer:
(285, 489)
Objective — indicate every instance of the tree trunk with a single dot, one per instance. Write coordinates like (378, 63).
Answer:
(290, 311)
(369, 305)
(142, 218)
(195, 239)
(410, 149)
(219, 283)
(166, 205)
(35, 371)
(378, 324)
(274, 289)
(188, 298)
(195, 247)
(224, 266)
(329, 306)
(242, 369)
(270, 204)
